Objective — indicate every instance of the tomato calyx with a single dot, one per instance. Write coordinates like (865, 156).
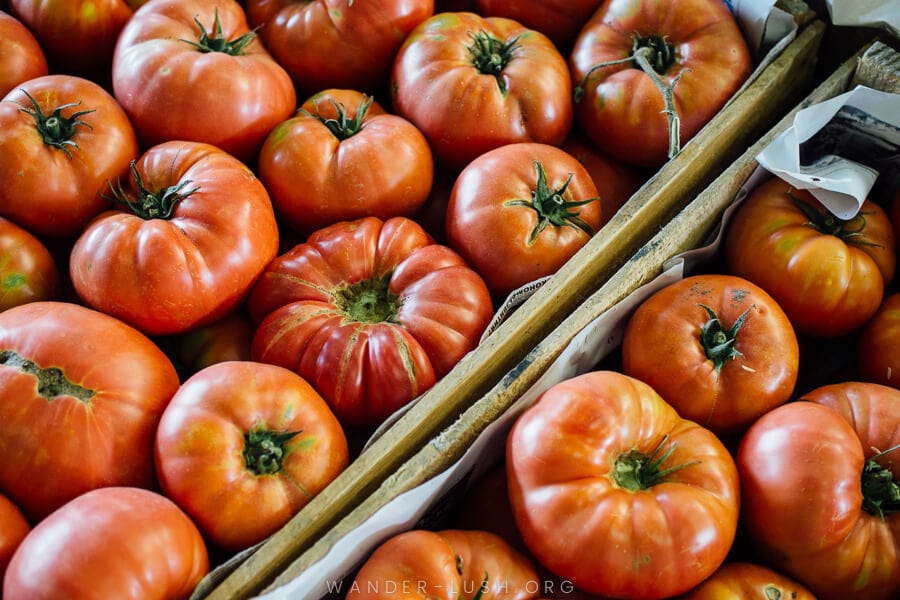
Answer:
(719, 342)
(825, 222)
(881, 492)
(636, 471)
(369, 300)
(344, 126)
(55, 129)
(482, 589)
(51, 381)
(490, 55)
(264, 449)
(150, 205)
(551, 207)
(216, 42)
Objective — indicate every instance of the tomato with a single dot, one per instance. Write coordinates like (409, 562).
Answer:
(471, 84)
(453, 564)
(113, 542)
(895, 218)
(28, 271)
(243, 446)
(718, 348)
(356, 161)
(13, 529)
(370, 312)
(81, 394)
(519, 212)
(560, 20)
(21, 56)
(615, 492)
(819, 498)
(195, 230)
(77, 36)
(336, 43)
(192, 70)
(878, 344)
(827, 274)
(229, 338)
(694, 48)
(741, 580)
(62, 138)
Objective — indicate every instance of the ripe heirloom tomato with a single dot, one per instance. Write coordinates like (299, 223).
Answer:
(62, 139)
(878, 345)
(229, 338)
(357, 161)
(828, 275)
(519, 212)
(21, 56)
(336, 43)
(243, 446)
(113, 542)
(742, 580)
(193, 70)
(13, 529)
(819, 485)
(615, 492)
(471, 84)
(194, 231)
(81, 394)
(370, 312)
(559, 20)
(716, 347)
(28, 271)
(452, 564)
(695, 48)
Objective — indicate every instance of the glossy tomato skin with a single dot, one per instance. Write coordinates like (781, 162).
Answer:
(82, 394)
(496, 223)
(113, 542)
(621, 109)
(741, 580)
(54, 189)
(445, 565)
(559, 20)
(380, 166)
(78, 36)
(801, 467)
(311, 38)
(174, 90)
(28, 271)
(671, 341)
(827, 284)
(878, 344)
(370, 312)
(584, 522)
(21, 56)
(185, 267)
(462, 107)
(13, 529)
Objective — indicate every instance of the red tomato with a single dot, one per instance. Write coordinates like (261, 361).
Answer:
(827, 274)
(21, 56)
(615, 492)
(229, 338)
(59, 148)
(193, 70)
(895, 218)
(78, 36)
(370, 312)
(243, 446)
(878, 345)
(311, 38)
(356, 161)
(817, 499)
(113, 542)
(13, 529)
(471, 84)
(718, 348)
(741, 580)
(519, 212)
(81, 394)
(694, 47)
(559, 20)
(28, 271)
(195, 230)
(453, 564)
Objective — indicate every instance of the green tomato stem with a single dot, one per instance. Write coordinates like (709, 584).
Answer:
(51, 381)
(636, 471)
(264, 450)
(55, 129)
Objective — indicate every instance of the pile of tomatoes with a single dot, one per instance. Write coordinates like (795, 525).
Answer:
(237, 236)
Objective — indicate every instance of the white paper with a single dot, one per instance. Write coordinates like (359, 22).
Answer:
(884, 14)
(863, 125)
